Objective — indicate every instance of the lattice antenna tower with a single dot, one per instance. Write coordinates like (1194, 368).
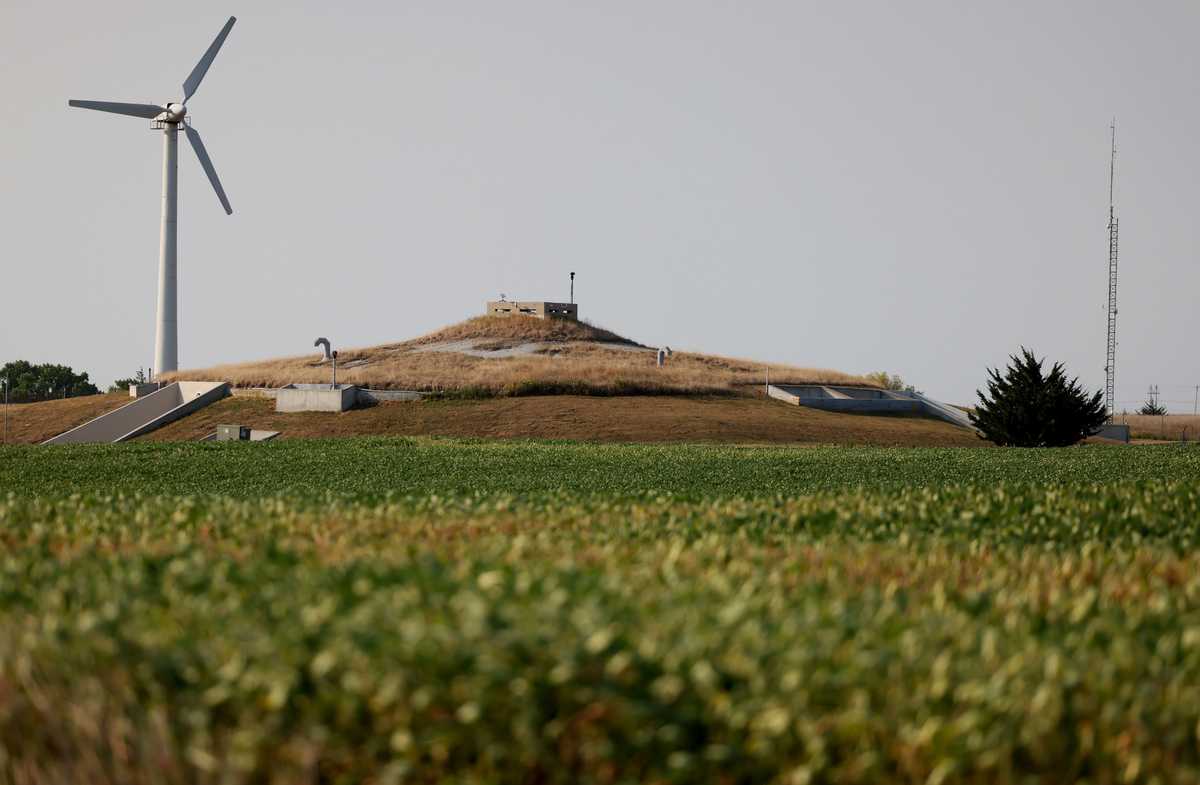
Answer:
(1111, 357)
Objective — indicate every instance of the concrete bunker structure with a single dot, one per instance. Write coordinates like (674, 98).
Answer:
(867, 400)
(316, 398)
(542, 309)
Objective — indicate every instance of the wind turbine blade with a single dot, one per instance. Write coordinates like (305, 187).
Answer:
(194, 137)
(149, 111)
(197, 74)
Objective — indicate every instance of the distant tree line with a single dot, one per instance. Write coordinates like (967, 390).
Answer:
(29, 383)
(892, 382)
(122, 385)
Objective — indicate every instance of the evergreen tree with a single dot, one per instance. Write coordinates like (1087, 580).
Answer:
(1153, 408)
(1027, 408)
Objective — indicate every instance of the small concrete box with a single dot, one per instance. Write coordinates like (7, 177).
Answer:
(233, 433)
(138, 390)
(316, 398)
(1115, 431)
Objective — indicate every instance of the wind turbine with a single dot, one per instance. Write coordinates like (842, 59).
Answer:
(170, 117)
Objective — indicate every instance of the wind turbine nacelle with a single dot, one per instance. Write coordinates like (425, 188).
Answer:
(175, 112)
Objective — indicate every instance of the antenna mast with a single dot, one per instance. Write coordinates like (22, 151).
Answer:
(1111, 357)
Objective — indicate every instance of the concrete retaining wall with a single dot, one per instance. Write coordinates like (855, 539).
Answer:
(365, 396)
(861, 400)
(144, 414)
(379, 396)
(254, 392)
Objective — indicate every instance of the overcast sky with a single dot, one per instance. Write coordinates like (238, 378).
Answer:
(916, 187)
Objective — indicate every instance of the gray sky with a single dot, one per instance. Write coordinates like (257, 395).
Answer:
(917, 187)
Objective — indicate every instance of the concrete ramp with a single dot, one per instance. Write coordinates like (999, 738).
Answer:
(143, 415)
(945, 411)
(864, 400)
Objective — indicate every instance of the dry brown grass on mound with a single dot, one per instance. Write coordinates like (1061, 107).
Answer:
(520, 329)
(571, 363)
(33, 423)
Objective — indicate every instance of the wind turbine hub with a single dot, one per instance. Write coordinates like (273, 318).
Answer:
(175, 112)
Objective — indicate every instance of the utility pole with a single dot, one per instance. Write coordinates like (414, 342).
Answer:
(1111, 355)
(6, 410)
(1196, 402)
(572, 288)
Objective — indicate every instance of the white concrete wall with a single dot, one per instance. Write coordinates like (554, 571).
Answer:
(783, 395)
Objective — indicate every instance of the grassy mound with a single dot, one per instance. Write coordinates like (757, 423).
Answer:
(499, 356)
(514, 330)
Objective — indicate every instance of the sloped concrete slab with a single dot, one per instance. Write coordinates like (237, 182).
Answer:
(146, 413)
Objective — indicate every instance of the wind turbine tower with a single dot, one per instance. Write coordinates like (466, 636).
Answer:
(1110, 365)
(170, 118)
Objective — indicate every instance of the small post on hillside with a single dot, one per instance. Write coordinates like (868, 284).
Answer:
(5, 410)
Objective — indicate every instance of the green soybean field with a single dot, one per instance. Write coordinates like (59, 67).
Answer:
(393, 611)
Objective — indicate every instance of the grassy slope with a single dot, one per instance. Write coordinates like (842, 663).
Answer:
(31, 423)
(582, 418)
(575, 359)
